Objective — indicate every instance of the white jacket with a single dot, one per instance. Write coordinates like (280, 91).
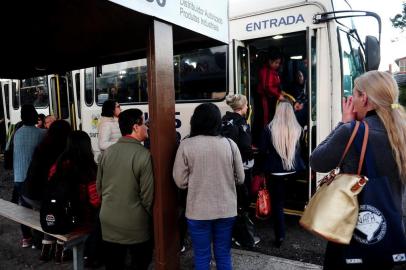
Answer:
(109, 132)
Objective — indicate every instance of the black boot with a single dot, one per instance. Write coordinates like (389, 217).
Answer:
(47, 250)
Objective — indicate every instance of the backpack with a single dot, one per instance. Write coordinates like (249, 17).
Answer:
(229, 129)
(59, 212)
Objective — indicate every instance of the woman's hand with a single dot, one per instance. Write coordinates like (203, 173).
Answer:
(298, 106)
(348, 110)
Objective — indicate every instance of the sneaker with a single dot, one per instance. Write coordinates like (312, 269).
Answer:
(237, 243)
(256, 240)
(26, 242)
(183, 249)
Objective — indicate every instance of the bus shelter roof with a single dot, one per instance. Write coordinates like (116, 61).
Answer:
(52, 36)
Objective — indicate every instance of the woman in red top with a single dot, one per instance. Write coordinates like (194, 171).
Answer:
(269, 86)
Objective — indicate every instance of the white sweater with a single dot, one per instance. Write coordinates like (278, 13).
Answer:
(209, 167)
(109, 132)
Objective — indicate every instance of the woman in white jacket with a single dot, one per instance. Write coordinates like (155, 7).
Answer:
(109, 131)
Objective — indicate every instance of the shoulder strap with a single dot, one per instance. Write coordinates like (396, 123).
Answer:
(232, 164)
(364, 147)
(232, 152)
(350, 141)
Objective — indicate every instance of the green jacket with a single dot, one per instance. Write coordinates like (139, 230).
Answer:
(126, 185)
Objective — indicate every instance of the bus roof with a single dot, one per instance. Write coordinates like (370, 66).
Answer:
(244, 8)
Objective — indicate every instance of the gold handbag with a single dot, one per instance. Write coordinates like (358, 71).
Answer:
(332, 212)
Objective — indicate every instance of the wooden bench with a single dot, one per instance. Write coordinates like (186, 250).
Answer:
(30, 218)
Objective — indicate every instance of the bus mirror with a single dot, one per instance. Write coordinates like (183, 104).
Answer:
(99, 71)
(372, 53)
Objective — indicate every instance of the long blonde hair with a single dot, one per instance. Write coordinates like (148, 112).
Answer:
(383, 94)
(286, 133)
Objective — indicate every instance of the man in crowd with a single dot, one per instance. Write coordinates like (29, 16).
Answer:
(126, 185)
(26, 139)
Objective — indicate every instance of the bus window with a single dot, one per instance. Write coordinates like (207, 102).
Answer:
(89, 86)
(201, 74)
(352, 61)
(124, 82)
(6, 97)
(34, 91)
(15, 96)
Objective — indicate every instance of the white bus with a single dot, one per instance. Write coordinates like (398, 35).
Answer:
(51, 94)
(323, 40)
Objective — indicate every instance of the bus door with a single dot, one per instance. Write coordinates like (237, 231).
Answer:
(5, 103)
(298, 50)
(242, 71)
(75, 102)
(60, 104)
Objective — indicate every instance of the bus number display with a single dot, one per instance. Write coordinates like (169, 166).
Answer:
(160, 3)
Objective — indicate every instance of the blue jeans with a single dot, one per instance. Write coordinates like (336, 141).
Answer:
(202, 233)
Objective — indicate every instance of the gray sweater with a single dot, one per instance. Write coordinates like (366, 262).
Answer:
(328, 153)
(204, 165)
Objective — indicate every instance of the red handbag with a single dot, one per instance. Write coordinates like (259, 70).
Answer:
(263, 207)
(256, 183)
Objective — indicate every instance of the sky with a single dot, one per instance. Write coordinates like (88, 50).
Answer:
(393, 41)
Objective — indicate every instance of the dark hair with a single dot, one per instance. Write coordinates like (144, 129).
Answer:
(108, 108)
(41, 117)
(48, 151)
(29, 115)
(206, 120)
(274, 55)
(128, 119)
(79, 155)
(55, 138)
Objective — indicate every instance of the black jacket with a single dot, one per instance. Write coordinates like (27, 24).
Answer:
(235, 127)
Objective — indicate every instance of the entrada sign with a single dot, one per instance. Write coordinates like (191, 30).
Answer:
(274, 22)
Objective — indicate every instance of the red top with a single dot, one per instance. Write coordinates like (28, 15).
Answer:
(269, 82)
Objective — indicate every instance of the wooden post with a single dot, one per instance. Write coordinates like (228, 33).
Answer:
(161, 100)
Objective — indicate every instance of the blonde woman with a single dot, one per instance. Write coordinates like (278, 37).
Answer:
(374, 100)
(234, 126)
(281, 150)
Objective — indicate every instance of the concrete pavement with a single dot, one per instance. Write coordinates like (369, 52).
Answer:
(248, 260)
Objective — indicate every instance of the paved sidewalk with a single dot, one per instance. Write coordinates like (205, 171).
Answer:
(248, 260)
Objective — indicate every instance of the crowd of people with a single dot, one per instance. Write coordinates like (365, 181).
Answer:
(214, 164)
